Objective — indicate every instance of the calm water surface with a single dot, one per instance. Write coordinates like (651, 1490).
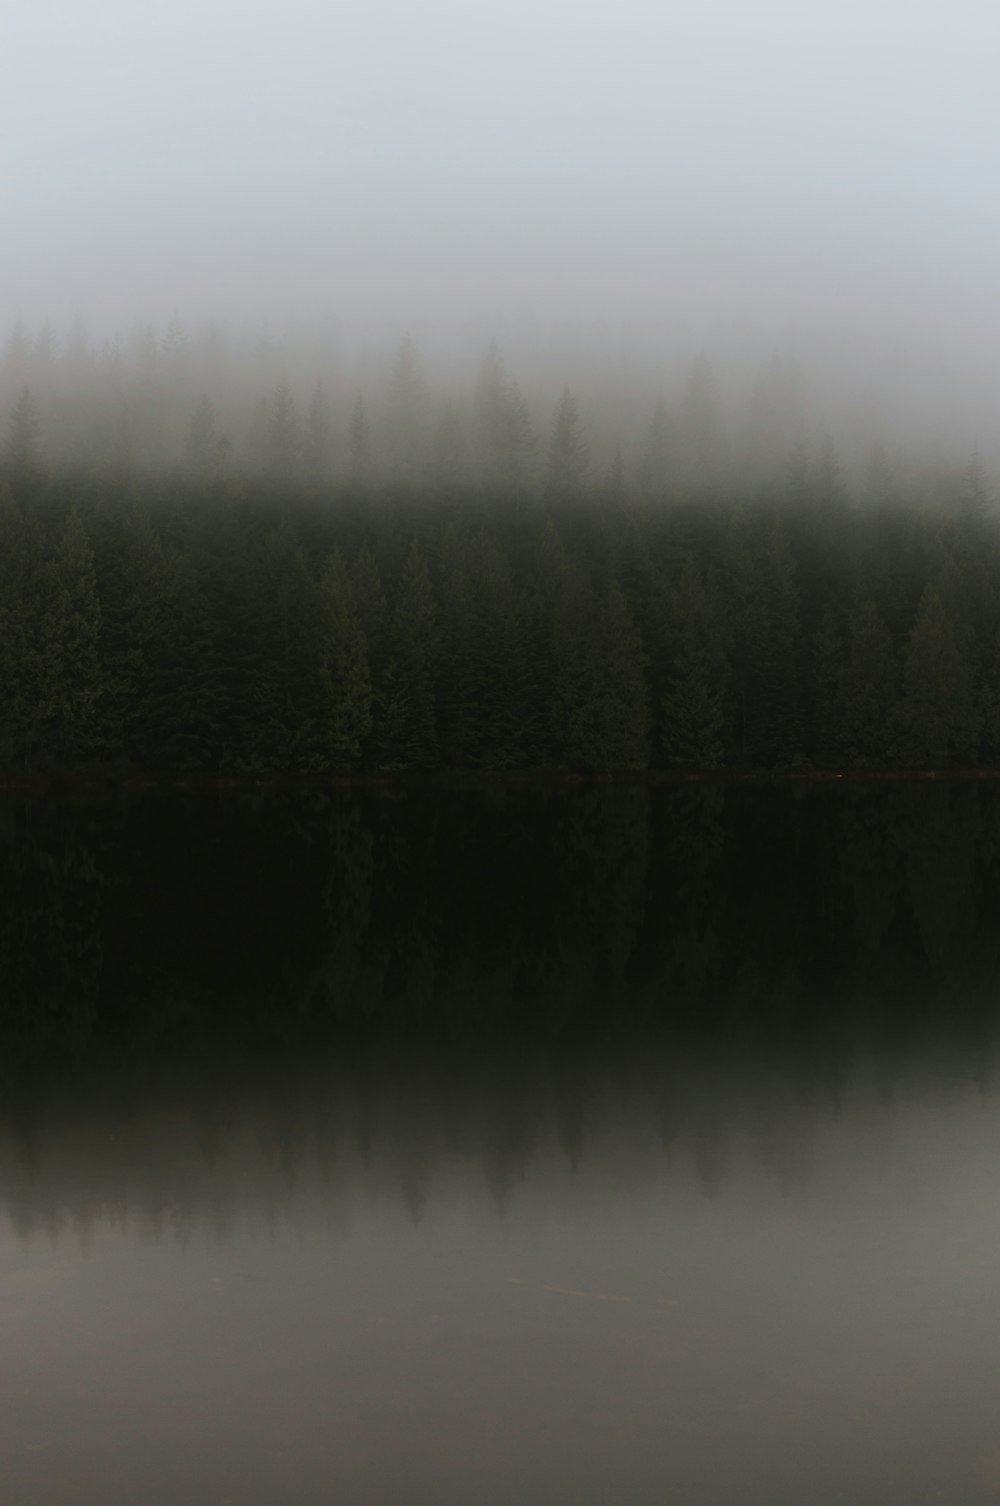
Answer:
(611, 1147)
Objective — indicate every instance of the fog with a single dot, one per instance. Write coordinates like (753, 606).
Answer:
(623, 180)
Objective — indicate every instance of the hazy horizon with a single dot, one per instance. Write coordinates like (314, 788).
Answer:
(637, 178)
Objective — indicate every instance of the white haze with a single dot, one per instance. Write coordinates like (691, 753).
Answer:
(639, 179)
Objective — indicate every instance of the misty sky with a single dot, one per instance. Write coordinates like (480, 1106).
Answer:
(781, 166)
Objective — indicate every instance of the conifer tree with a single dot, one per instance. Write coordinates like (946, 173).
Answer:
(206, 447)
(765, 636)
(346, 662)
(457, 720)
(22, 459)
(974, 499)
(936, 719)
(44, 349)
(22, 650)
(658, 462)
(601, 702)
(614, 484)
(868, 687)
(568, 466)
(283, 432)
(506, 443)
(409, 726)
(448, 460)
(372, 608)
(696, 709)
(359, 442)
(700, 424)
(133, 587)
(319, 437)
(176, 348)
(72, 680)
(499, 706)
(17, 350)
(831, 488)
(406, 414)
(828, 652)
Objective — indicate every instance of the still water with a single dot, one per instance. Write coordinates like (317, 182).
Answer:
(501, 1147)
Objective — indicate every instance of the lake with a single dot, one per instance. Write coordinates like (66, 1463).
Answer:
(461, 1148)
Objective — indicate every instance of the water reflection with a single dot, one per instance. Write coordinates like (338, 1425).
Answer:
(705, 911)
(166, 1150)
(439, 1280)
(626, 1146)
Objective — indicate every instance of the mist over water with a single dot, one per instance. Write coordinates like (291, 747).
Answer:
(572, 1146)
(457, 1140)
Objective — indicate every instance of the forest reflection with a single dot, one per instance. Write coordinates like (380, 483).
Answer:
(749, 914)
(218, 1008)
(165, 1153)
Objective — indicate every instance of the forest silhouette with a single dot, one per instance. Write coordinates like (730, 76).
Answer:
(410, 975)
(455, 592)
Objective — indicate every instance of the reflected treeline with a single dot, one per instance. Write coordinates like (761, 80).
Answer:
(214, 1005)
(486, 914)
(217, 1147)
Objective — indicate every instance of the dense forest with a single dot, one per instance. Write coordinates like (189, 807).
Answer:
(470, 595)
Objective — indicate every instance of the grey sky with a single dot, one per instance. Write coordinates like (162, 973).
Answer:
(829, 169)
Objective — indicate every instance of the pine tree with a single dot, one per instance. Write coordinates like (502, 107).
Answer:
(658, 463)
(988, 703)
(831, 488)
(868, 687)
(22, 647)
(17, 351)
(506, 443)
(601, 701)
(828, 654)
(346, 661)
(73, 680)
(319, 437)
(132, 586)
(765, 638)
(406, 414)
(45, 349)
(457, 711)
(359, 442)
(800, 483)
(282, 433)
(489, 712)
(700, 424)
(974, 501)
(409, 701)
(775, 418)
(206, 448)
(22, 460)
(614, 484)
(936, 719)
(78, 354)
(568, 466)
(185, 705)
(372, 608)
(448, 459)
(696, 702)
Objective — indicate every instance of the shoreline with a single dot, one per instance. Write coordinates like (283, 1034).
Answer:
(137, 783)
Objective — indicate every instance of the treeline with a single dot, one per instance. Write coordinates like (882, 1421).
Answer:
(230, 627)
(316, 410)
(320, 414)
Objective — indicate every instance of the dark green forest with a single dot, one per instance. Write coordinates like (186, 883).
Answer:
(515, 611)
